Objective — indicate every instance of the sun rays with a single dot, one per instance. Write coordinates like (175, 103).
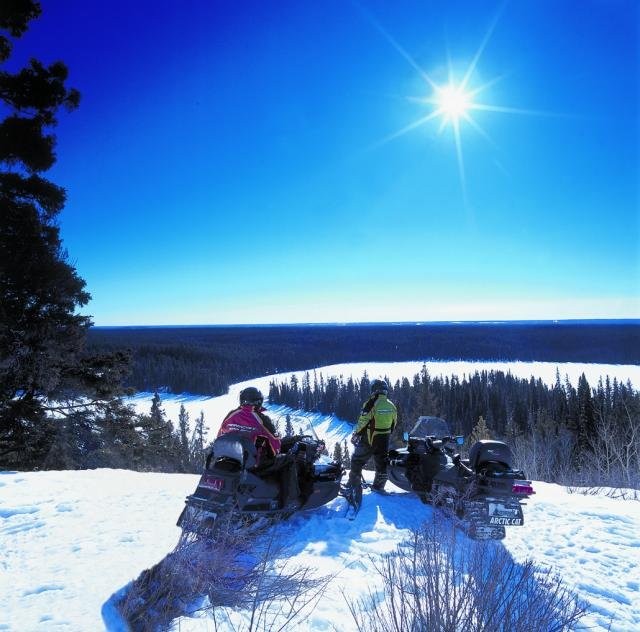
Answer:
(453, 103)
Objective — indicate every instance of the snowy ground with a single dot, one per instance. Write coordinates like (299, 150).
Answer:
(69, 540)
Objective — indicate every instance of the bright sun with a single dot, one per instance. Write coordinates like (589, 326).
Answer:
(453, 102)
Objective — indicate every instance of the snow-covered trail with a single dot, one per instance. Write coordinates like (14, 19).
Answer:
(71, 539)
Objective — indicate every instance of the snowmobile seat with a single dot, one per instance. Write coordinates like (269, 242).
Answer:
(232, 453)
(486, 452)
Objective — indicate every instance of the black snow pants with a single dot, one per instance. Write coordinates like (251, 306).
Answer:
(379, 450)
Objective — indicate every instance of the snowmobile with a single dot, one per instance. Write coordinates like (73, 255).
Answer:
(484, 491)
(232, 486)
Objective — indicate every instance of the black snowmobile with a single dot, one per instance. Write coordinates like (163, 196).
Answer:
(484, 491)
(233, 487)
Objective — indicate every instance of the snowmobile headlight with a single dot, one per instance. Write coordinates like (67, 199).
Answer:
(459, 439)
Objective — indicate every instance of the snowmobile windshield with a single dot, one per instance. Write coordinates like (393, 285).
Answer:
(298, 425)
(430, 427)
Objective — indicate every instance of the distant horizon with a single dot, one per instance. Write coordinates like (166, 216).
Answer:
(577, 321)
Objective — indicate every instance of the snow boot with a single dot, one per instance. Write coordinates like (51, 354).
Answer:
(379, 481)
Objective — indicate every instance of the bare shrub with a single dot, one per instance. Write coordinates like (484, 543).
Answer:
(239, 576)
(544, 452)
(615, 450)
(272, 594)
(610, 492)
(609, 464)
(440, 581)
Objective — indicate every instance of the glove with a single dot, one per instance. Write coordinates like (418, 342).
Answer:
(356, 439)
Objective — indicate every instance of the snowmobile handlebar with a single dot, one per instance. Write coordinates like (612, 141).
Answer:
(457, 461)
(438, 443)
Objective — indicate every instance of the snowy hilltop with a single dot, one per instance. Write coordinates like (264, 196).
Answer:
(72, 541)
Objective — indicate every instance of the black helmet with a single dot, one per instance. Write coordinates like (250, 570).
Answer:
(251, 395)
(379, 386)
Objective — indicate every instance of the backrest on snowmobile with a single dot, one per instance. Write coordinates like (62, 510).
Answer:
(307, 450)
(233, 452)
(286, 443)
(486, 451)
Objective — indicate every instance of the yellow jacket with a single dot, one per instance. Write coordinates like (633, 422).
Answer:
(379, 416)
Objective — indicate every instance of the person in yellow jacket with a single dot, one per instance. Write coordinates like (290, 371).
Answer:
(371, 437)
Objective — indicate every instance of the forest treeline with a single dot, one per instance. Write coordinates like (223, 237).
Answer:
(114, 435)
(575, 434)
(206, 360)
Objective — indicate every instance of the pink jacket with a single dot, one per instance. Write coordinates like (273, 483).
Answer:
(246, 421)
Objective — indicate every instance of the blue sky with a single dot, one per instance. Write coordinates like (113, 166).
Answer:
(228, 161)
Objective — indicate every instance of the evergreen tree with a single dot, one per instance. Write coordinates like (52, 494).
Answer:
(424, 403)
(288, 427)
(42, 336)
(73, 443)
(364, 387)
(541, 424)
(337, 454)
(307, 400)
(198, 443)
(346, 457)
(480, 431)
(586, 427)
(162, 447)
(183, 430)
(121, 444)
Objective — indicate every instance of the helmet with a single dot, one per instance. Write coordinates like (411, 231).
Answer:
(379, 386)
(251, 395)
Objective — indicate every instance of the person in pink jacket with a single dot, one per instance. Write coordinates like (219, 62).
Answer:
(249, 420)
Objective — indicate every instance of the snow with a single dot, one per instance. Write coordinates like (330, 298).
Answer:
(69, 540)
(593, 541)
(72, 539)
